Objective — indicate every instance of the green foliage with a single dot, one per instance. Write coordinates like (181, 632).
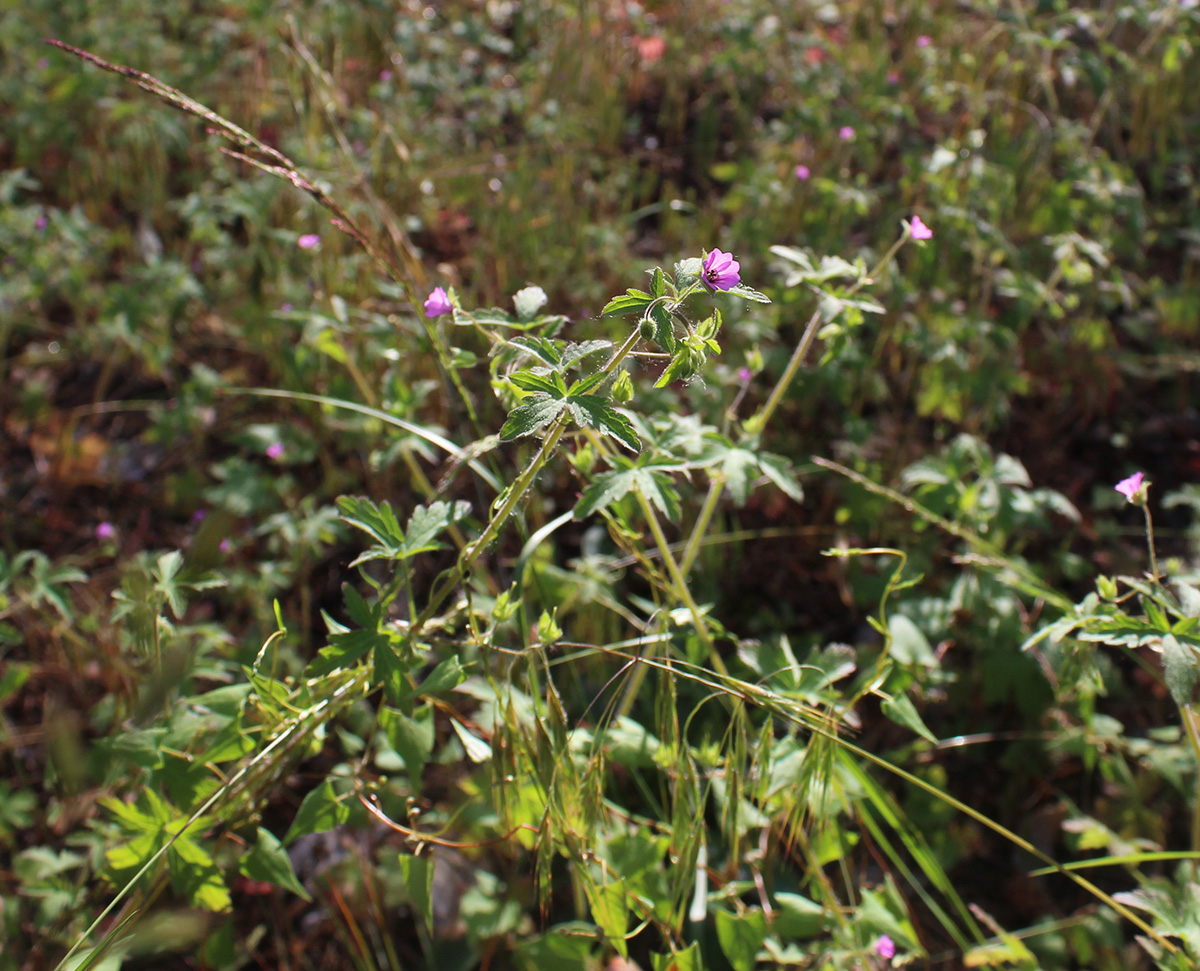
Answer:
(594, 692)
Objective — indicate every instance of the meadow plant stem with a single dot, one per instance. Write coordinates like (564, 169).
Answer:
(1150, 542)
(715, 488)
(492, 531)
(681, 587)
(1190, 726)
(760, 420)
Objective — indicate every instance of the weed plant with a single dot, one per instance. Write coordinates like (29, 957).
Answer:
(550, 485)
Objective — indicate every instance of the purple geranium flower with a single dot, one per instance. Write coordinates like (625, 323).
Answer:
(1130, 488)
(802, 173)
(105, 531)
(846, 133)
(308, 241)
(924, 40)
(919, 230)
(885, 947)
(275, 450)
(438, 303)
(721, 270)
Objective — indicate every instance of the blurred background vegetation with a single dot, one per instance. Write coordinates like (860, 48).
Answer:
(1042, 346)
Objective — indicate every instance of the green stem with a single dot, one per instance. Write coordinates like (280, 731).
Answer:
(681, 587)
(702, 523)
(759, 421)
(1193, 734)
(1150, 541)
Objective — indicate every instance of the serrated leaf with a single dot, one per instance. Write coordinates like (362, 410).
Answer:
(377, 521)
(632, 302)
(592, 411)
(585, 385)
(1179, 667)
(658, 282)
(358, 609)
(609, 487)
(530, 381)
(426, 522)
(342, 651)
(741, 936)
(903, 712)
(411, 738)
(534, 413)
(740, 468)
(664, 328)
(542, 348)
(779, 470)
(390, 671)
(748, 293)
(269, 862)
(320, 811)
(577, 352)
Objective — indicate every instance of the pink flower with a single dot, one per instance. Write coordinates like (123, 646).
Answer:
(924, 40)
(275, 450)
(745, 375)
(105, 531)
(893, 77)
(225, 546)
(1132, 487)
(385, 76)
(918, 230)
(721, 270)
(41, 223)
(846, 133)
(802, 173)
(437, 303)
(885, 947)
(308, 241)
(650, 49)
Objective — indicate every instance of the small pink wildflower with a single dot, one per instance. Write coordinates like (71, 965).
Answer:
(745, 375)
(846, 133)
(225, 546)
(275, 450)
(105, 530)
(893, 77)
(198, 515)
(385, 76)
(41, 223)
(721, 270)
(308, 241)
(802, 172)
(1132, 487)
(918, 230)
(885, 947)
(924, 40)
(650, 49)
(438, 303)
